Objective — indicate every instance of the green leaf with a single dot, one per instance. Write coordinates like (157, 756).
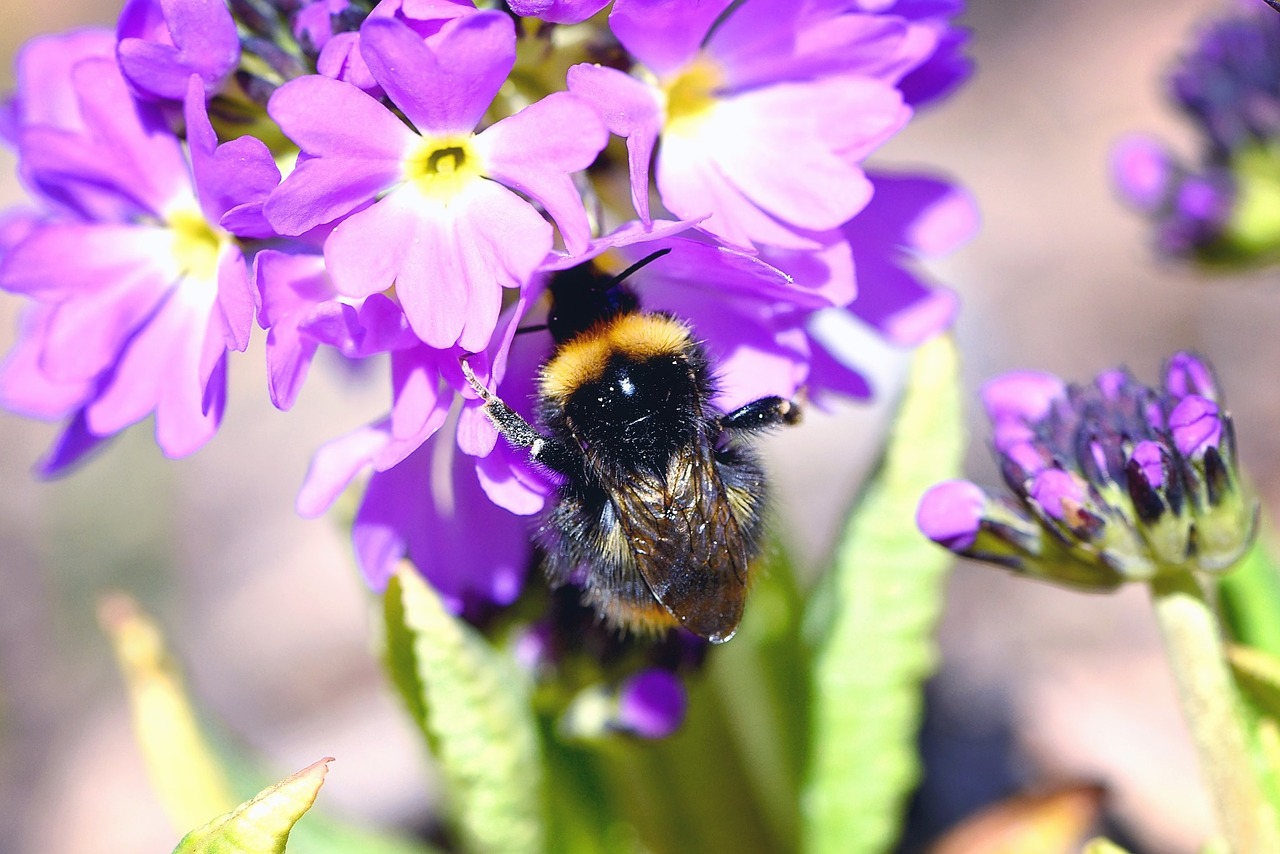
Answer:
(874, 649)
(194, 776)
(1251, 597)
(261, 825)
(473, 706)
(1257, 673)
(184, 771)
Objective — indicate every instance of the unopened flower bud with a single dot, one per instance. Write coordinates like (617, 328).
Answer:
(1115, 481)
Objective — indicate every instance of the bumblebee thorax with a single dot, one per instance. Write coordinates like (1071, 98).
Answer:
(629, 392)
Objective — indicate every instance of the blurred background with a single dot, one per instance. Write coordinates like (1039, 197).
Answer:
(274, 627)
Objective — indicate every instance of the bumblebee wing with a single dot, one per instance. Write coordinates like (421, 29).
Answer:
(690, 547)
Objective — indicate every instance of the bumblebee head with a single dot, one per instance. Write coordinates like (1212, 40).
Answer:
(629, 391)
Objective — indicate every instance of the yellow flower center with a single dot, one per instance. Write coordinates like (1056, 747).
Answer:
(691, 94)
(196, 244)
(441, 168)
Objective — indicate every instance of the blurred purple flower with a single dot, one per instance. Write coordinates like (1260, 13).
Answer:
(139, 285)
(1111, 482)
(1228, 85)
(1191, 210)
(430, 213)
(163, 42)
(651, 704)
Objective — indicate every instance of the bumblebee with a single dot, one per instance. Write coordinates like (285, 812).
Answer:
(659, 514)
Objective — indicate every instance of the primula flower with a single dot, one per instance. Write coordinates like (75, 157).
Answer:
(139, 285)
(430, 211)
(1111, 482)
(760, 126)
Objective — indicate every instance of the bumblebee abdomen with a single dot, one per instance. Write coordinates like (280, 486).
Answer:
(655, 553)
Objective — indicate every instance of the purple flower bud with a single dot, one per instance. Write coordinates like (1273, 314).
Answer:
(1021, 396)
(1203, 200)
(1112, 481)
(1114, 383)
(1186, 373)
(1142, 170)
(651, 704)
(1150, 457)
(1196, 425)
(1024, 460)
(1060, 493)
(950, 514)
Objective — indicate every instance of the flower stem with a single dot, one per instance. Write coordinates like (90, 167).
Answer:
(1211, 705)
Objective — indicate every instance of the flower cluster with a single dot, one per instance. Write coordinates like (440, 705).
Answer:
(1222, 210)
(1112, 482)
(442, 162)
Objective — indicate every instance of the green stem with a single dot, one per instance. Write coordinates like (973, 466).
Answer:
(1212, 708)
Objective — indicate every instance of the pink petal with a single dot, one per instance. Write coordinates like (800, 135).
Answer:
(443, 88)
(366, 252)
(24, 387)
(664, 34)
(770, 145)
(335, 465)
(415, 381)
(693, 187)
(535, 151)
(451, 284)
(235, 299)
(160, 370)
(354, 148)
(630, 109)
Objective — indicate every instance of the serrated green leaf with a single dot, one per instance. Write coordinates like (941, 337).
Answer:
(261, 825)
(871, 656)
(473, 707)
(186, 775)
(195, 777)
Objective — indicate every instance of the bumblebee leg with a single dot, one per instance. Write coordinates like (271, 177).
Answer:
(761, 415)
(518, 432)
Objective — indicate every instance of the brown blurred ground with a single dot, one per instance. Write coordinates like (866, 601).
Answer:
(272, 622)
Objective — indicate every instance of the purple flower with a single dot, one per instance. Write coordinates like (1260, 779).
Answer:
(409, 510)
(1111, 482)
(163, 42)
(1229, 84)
(651, 704)
(430, 211)
(763, 123)
(139, 285)
(1218, 211)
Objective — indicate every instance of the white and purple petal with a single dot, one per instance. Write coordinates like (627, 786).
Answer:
(536, 150)
(443, 88)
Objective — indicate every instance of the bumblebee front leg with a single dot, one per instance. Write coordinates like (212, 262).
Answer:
(761, 415)
(518, 432)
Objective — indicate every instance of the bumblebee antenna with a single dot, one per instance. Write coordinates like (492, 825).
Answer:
(645, 262)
